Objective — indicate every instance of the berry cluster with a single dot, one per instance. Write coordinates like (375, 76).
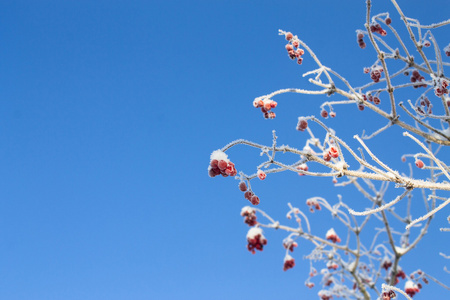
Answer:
(332, 265)
(325, 295)
(375, 73)
(332, 236)
(293, 49)
(289, 262)
(360, 39)
(290, 244)
(266, 105)
(255, 239)
(221, 165)
(400, 274)
(388, 295)
(425, 106)
(313, 204)
(386, 263)
(375, 27)
(250, 216)
(324, 113)
(411, 288)
(416, 77)
(371, 98)
(261, 174)
(309, 284)
(302, 124)
(441, 88)
(302, 167)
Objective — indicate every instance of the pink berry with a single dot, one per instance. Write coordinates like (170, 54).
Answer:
(289, 47)
(289, 36)
(295, 44)
(419, 164)
(332, 114)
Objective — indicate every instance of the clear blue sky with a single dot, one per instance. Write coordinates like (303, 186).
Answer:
(109, 111)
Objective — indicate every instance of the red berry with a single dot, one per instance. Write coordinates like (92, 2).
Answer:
(419, 164)
(388, 21)
(360, 36)
(267, 106)
(326, 156)
(242, 186)
(376, 100)
(302, 124)
(324, 113)
(360, 107)
(289, 47)
(222, 165)
(333, 152)
(214, 163)
(254, 200)
(295, 44)
(299, 60)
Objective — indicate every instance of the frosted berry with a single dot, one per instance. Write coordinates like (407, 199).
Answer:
(250, 216)
(299, 60)
(376, 100)
(419, 164)
(302, 167)
(326, 156)
(290, 244)
(289, 262)
(242, 186)
(333, 152)
(295, 44)
(289, 47)
(302, 124)
(261, 174)
(255, 240)
(411, 289)
(289, 36)
(332, 114)
(332, 236)
(427, 44)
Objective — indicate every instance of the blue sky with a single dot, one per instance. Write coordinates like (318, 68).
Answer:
(109, 112)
